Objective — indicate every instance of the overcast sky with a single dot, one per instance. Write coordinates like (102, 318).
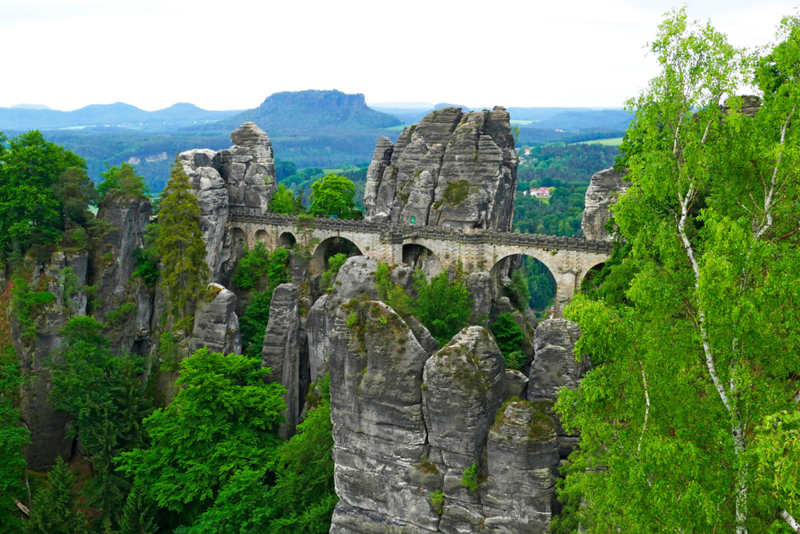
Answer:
(232, 54)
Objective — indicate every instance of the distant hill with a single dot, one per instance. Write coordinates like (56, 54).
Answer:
(312, 111)
(116, 115)
(612, 119)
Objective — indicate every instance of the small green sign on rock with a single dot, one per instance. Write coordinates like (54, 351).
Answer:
(413, 220)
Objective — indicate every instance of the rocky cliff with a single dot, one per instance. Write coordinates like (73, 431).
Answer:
(452, 169)
(241, 176)
(603, 192)
(410, 419)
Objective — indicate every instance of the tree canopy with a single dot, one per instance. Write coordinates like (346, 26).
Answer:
(181, 245)
(332, 196)
(696, 368)
(30, 209)
(444, 307)
(221, 421)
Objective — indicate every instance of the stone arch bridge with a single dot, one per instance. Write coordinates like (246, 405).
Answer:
(568, 259)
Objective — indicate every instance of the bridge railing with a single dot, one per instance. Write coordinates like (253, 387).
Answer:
(397, 233)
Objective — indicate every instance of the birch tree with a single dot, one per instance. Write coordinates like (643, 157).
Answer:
(709, 348)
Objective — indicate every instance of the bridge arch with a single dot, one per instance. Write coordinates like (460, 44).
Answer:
(262, 236)
(330, 247)
(287, 240)
(591, 272)
(545, 285)
(420, 257)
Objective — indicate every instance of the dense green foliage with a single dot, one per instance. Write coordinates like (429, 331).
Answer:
(32, 212)
(509, 336)
(392, 294)
(12, 438)
(541, 165)
(559, 215)
(54, 508)
(333, 196)
(147, 258)
(285, 203)
(258, 263)
(103, 394)
(444, 307)
(259, 268)
(253, 322)
(123, 178)
(518, 291)
(688, 419)
(25, 301)
(540, 282)
(302, 498)
(334, 264)
(221, 421)
(181, 246)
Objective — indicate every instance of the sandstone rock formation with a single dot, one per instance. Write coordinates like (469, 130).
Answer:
(212, 196)
(603, 191)
(216, 325)
(555, 366)
(519, 493)
(240, 176)
(37, 413)
(114, 265)
(452, 169)
(281, 352)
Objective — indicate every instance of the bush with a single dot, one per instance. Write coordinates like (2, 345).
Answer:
(515, 361)
(519, 292)
(259, 262)
(508, 334)
(253, 323)
(334, 264)
(437, 497)
(392, 294)
(444, 307)
(470, 478)
(25, 303)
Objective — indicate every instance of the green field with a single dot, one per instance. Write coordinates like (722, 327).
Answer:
(616, 141)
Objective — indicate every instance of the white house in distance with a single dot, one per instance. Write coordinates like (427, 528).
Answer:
(542, 192)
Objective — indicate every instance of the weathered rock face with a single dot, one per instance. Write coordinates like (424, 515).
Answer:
(209, 188)
(452, 169)
(114, 264)
(281, 352)
(378, 427)
(464, 388)
(216, 325)
(523, 461)
(603, 191)
(554, 367)
(248, 167)
(241, 176)
(65, 277)
(410, 420)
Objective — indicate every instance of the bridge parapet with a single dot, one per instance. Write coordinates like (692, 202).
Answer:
(399, 233)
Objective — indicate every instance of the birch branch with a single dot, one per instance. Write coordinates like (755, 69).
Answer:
(791, 520)
(687, 245)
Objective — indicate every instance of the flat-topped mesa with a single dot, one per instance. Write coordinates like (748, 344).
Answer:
(453, 169)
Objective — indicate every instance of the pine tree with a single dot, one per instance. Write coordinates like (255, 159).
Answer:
(53, 510)
(181, 245)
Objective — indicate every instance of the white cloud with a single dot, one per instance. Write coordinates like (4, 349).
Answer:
(70, 53)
